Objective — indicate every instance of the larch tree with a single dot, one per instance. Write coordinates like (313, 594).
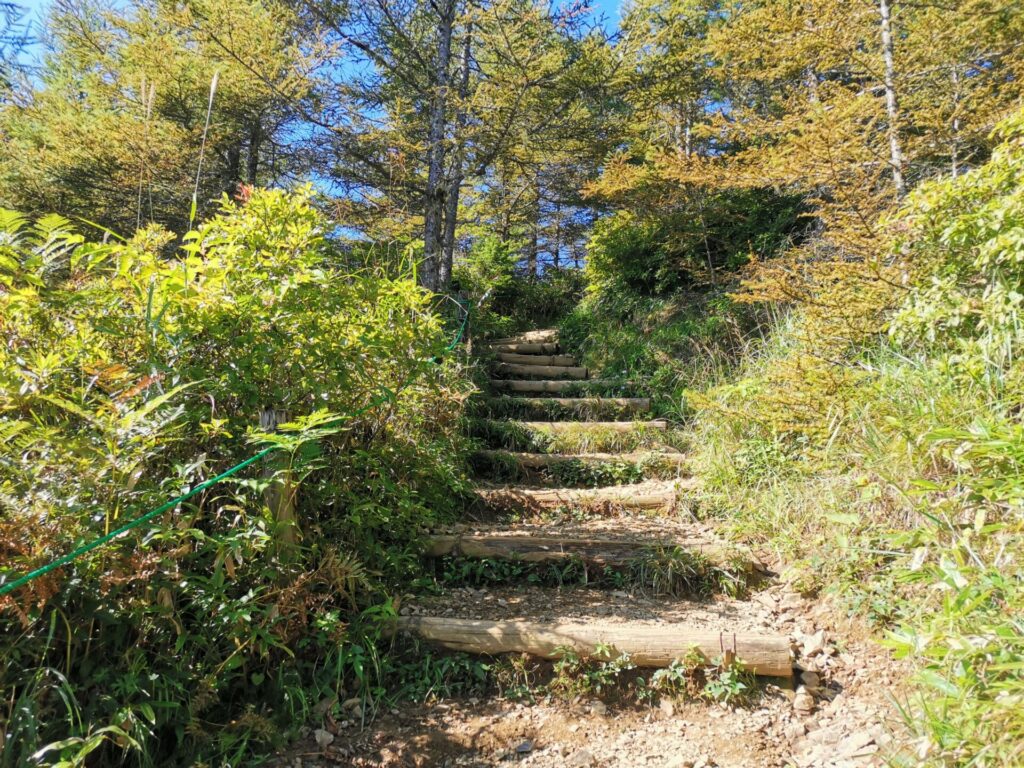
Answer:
(438, 98)
(115, 128)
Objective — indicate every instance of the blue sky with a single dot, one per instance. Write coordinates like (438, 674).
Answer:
(35, 10)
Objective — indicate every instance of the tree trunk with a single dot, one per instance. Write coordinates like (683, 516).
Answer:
(253, 158)
(451, 203)
(557, 248)
(433, 207)
(280, 494)
(955, 125)
(811, 83)
(534, 246)
(233, 171)
(891, 102)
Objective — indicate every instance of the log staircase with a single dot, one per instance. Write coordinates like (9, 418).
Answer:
(595, 481)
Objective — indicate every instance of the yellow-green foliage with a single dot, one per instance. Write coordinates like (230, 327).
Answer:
(907, 496)
(111, 127)
(130, 372)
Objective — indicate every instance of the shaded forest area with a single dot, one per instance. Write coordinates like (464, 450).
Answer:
(234, 225)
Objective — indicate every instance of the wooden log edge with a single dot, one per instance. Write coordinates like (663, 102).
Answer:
(538, 549)
(647, 645)
(536, 360)
(537, 385)
(644, 496)
(540, 371)
(544, 460)
(524, 348)
(631, 403)
(545, 336)
(573, 426)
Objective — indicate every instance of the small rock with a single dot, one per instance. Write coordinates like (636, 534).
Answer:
(598, 708)
(794, 731)
(323, 738)
(668, 709)
(526, 746)
(811, 680)
(791, 601)
(351, 703)
(582, 759)
(679, 762)
(324, 706)
(814, 644)
(803, 702)
(857, 744)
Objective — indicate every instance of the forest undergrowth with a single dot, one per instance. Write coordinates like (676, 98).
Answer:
(883, 465)
(133, 370)
(234, 226)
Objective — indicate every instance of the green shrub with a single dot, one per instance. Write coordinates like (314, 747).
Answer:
(909, 501)
(127, 377)
(684, 246)
(506, 302)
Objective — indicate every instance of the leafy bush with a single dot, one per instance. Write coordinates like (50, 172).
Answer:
(683, 246)
(907, 498)
(661, 347)
(657, 311)
(506, 302)
(126, 378)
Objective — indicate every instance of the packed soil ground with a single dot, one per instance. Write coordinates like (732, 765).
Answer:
(840, 712)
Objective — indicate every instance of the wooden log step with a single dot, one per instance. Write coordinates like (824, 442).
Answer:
(561, 408)
(527, 385)
(548, 460)
(561, 427)
(623, 404)
(541, 371)
(537, 549)
(647, 645)
(657, 495)
(545, 336)
(527, 348)
(555, 360)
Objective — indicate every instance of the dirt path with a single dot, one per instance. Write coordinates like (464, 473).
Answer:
(843, 722)
(835, 710)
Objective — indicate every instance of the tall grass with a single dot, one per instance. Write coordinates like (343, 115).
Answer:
(910, 512)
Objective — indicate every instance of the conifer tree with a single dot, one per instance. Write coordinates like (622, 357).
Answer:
(114, 130)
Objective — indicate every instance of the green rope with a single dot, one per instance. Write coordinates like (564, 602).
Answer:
(389, 395)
